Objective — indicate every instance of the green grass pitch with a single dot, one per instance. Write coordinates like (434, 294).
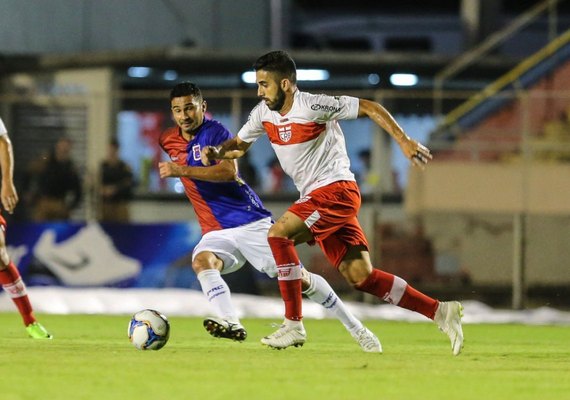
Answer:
(91, 358)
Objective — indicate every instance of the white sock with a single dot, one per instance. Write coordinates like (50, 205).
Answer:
(218, 294)
(293, 324)
(322, 293)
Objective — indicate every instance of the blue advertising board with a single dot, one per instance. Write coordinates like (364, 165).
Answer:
(107, 255)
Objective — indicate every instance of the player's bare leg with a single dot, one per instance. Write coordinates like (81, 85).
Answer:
(288, 231)
(358, 271)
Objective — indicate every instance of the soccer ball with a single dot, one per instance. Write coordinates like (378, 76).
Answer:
(149, 330)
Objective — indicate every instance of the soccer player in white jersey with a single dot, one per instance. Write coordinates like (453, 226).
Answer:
(304, 132)
(233, 220)
(10, 278)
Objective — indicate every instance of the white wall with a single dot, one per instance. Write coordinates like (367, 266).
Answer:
(468, 211)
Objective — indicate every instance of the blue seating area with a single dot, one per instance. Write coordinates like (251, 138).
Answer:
(500, 93)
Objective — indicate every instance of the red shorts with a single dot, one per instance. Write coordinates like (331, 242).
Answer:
(2, 223)
(330, 212)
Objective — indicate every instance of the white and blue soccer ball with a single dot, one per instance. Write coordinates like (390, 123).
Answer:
(149, 330)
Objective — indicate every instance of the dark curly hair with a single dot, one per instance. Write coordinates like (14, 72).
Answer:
(186, 89)
(279, 62)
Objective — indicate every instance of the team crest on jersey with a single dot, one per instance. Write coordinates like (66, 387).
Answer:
(196, 152)
(285, 133)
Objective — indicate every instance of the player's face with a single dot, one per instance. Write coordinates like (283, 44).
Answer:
(188, 112)
(269, 90)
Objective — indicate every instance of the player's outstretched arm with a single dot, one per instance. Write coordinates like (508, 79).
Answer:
(230, 149)
(226, 171)
(416, 152)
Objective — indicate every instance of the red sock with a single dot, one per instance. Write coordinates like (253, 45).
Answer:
(12, 283)
(288, 275)
(395, 290)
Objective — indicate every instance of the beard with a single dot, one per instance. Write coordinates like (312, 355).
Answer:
(279, 101)
(188, 126)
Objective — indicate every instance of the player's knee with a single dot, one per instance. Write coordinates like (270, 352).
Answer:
(356, 266)
(4, 258)
(305, 279)
(355, 271)
(206, 260)
(275, 232)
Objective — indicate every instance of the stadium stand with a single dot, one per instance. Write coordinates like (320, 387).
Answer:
(489, 125)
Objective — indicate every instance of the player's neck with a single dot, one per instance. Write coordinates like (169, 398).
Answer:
(288, 105)
(188, 136)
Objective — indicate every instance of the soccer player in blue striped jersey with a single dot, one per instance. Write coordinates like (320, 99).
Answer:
(233, 219)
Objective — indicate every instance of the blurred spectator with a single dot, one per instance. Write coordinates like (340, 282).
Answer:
(53, 186)
(275, 180)
(116, 186)
(275, 183)
(367, 178)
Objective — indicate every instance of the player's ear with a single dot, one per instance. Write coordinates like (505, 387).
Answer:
(204, 106)
(285, 84)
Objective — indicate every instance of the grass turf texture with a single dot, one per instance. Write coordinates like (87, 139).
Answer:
(91, 358)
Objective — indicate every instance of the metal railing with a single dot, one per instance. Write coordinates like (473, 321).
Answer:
(471, 57)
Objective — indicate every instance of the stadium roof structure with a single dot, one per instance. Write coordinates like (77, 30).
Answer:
(192, 60)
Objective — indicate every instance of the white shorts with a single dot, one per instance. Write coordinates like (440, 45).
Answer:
(235, 246)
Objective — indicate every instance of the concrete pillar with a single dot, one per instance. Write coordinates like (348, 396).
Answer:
(480, 18)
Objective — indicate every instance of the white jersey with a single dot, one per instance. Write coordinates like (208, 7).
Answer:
(308, 140)
(3, 130)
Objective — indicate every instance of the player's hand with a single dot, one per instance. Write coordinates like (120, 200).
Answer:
(416, 152)
(9, 197)
(208, 154)
(169, 170)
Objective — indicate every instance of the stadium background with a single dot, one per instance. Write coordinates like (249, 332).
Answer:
(488, 220)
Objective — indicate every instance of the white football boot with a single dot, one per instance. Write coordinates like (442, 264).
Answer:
(367, 340)
(448, 319)
(290, 333)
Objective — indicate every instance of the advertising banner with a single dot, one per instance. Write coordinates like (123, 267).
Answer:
(104, 255)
